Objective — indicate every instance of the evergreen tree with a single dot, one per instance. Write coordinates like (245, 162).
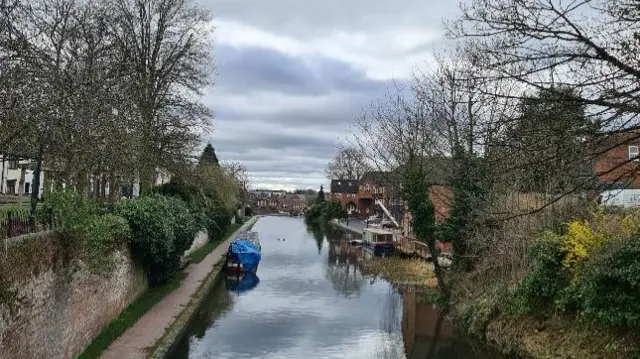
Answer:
(208, 157)
(553, 126)
(320, 198)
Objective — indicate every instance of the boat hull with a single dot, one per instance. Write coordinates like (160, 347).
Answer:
(381, 249)
(236, 267)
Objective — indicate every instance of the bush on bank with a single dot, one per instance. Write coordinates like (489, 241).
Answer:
(87, 229)
(323, 212)
(593, 270)
(162, 229)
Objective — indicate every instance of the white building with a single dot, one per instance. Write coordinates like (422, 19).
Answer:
(11, 172)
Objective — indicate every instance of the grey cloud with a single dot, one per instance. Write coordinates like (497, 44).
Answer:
(313, 18)
(282, 115)
(249, 69)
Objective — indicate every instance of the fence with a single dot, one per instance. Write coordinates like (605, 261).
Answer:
(17, 222)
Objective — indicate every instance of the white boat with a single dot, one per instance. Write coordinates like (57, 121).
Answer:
(378, 240)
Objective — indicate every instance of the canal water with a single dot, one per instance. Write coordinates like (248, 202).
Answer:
(312, 301)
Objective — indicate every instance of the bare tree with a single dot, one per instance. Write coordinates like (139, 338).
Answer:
(165, 46)
(586, 45)
(348, 163)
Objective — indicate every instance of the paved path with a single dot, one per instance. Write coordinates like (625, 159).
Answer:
(151, 327)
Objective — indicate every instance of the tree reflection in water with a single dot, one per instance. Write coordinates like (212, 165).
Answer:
(427, 334)
(217, 303)
(390, 345)
(318, 233)
(342, 268)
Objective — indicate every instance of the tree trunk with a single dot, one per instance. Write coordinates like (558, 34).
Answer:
(35, 186)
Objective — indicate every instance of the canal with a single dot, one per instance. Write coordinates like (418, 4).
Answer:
(312, 301)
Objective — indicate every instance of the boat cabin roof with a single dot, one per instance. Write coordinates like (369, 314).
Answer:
(377, 231)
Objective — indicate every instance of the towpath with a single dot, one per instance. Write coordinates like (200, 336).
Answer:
(149, 329)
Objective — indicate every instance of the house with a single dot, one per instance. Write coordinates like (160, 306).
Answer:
(345, 192)
(618, 164)
(379, 186)
(442, 198)
(17, 175)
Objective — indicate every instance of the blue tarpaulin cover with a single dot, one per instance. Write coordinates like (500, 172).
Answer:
(246, 253)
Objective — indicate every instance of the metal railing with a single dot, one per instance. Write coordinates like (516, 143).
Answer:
(17, 222)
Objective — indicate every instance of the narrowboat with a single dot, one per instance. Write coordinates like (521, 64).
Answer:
(378, 240)
(244, 253)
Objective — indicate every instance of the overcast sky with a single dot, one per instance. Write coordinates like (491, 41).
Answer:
(292, 75)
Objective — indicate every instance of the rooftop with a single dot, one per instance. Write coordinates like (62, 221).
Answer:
(344, 186)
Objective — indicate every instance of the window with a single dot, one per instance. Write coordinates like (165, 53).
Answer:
(634, 151)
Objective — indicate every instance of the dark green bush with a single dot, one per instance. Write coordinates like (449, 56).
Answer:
(179, 188)
(323, 212)
(185, 226)
(70, 210)
(161, 228)
(315, 214)
(218, 220)
(103, 235)
(547, 279)
(608, 290)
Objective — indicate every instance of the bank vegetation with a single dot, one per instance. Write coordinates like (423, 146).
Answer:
(512, 120)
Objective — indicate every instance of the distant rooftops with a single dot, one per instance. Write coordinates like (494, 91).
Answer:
(344, 186)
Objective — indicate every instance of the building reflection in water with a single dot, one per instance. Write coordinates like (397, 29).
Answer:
(410, 325)
(343, 268)
(422, 326)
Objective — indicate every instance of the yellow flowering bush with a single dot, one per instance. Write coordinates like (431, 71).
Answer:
(579, 240)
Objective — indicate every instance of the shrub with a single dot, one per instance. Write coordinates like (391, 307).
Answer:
(547, 278)
(70, 210)
(608, 290)
(323, 212)
(579, 241)
(84, 227)
(218, 220)
(315, 214)
(160, 228)
(185, 226)
(179, 188)
(102, 236)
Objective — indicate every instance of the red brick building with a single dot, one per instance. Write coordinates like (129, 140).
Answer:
(619, 164)
(345, 192)
(379, 186)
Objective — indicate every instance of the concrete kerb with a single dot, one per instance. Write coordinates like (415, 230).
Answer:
(345, 227)
(176, 330)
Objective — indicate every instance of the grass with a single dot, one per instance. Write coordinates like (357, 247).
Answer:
(201, 253)
(403, 271)
(130, 316)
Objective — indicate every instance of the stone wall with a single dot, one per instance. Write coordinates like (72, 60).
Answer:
(201, 239)
(51, 305)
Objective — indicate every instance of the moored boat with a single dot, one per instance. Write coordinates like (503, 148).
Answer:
(244, 253)
(378, 240)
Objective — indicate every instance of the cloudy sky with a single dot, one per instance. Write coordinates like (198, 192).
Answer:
(292, 75)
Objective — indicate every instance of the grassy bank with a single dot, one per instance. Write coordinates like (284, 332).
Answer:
(201, 253)
(413, 272)
(545, 335)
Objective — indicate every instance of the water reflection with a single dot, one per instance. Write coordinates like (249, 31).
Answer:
(318, 233)
(342, 268)
(314, 307)
(241, 283)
